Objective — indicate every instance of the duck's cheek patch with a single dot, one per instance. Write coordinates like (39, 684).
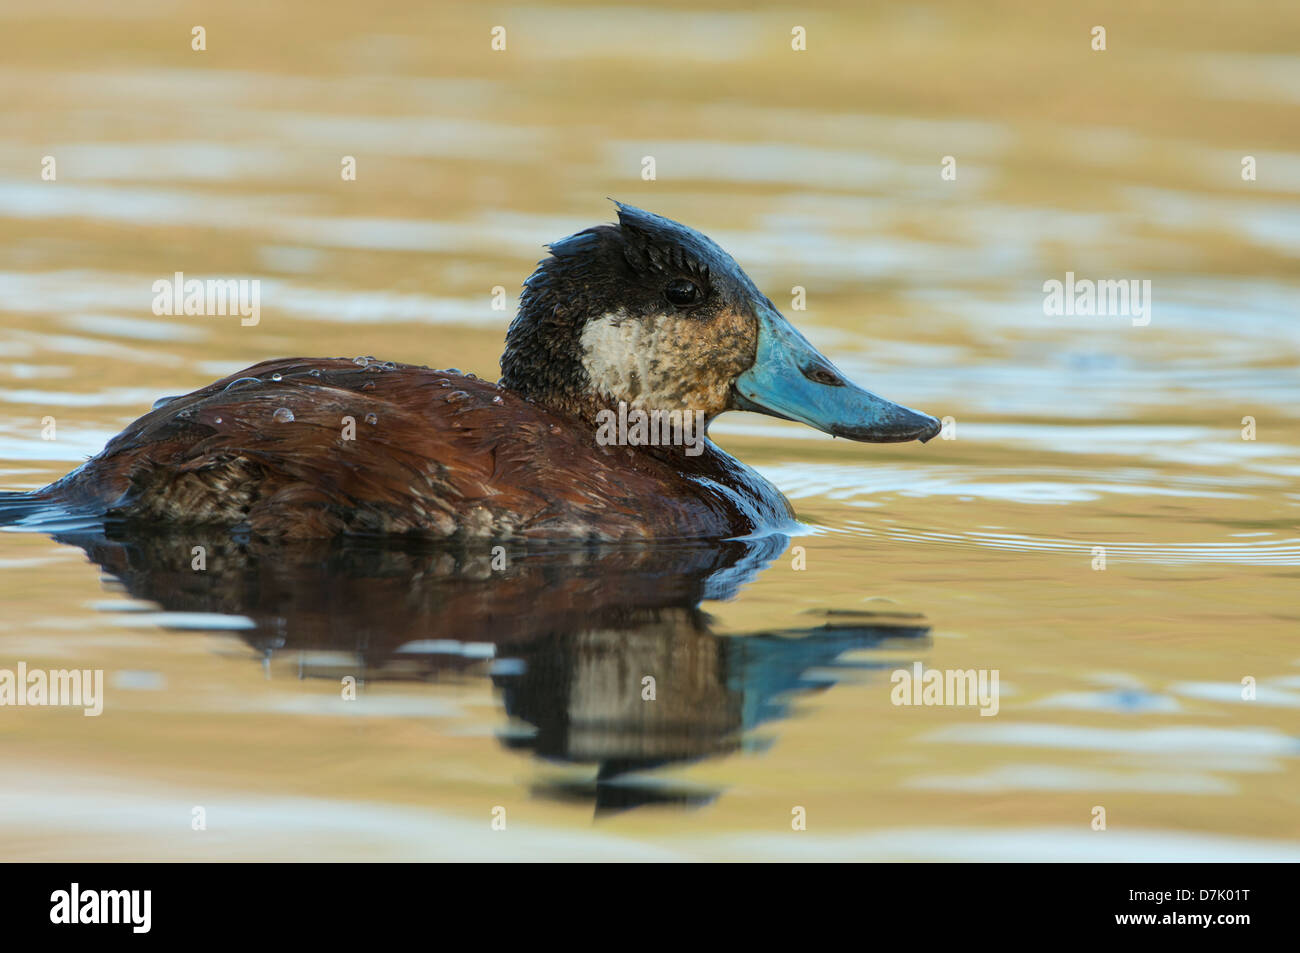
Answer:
(626, 358)
(664, 362)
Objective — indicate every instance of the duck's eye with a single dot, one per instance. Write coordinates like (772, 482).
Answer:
(682, 292)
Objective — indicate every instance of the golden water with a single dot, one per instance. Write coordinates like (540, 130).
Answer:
(1121, 687)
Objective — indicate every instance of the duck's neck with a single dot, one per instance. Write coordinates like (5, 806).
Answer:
(542, 359)
(553, 380)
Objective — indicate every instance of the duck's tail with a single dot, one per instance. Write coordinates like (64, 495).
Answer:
(36, 510)
(16, 507)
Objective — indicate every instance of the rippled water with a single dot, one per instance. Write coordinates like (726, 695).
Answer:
(1120, 687)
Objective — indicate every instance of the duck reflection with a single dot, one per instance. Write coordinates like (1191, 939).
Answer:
(601, 654)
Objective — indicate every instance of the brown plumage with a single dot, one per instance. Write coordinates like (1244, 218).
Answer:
(434, 453)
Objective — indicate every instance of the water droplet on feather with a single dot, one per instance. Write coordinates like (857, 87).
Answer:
(240, 383)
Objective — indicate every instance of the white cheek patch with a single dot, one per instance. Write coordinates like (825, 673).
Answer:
(618, 355)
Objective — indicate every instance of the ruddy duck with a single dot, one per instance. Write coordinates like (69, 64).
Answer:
(643, 316)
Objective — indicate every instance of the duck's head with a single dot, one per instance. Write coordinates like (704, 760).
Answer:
(654, 314)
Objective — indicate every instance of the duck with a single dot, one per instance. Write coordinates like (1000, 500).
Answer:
(626, 332)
